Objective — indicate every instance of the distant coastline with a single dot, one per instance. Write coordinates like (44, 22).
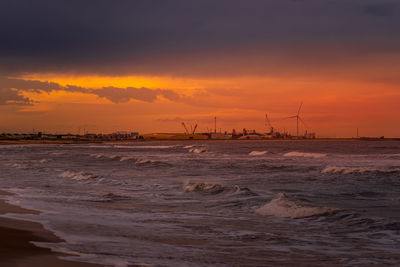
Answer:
(66, 142)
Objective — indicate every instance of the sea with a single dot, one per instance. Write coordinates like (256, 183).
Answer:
(212, 203)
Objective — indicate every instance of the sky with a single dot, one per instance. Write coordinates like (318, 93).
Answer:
(147, 66)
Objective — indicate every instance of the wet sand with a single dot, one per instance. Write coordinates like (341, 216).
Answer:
(16, 249)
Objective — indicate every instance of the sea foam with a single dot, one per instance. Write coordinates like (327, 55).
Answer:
(77, 175)
(197, 150)
(216, 189)
(203, 187)
(303, 154)
(283, 206)
(258, 153)
(352, 170)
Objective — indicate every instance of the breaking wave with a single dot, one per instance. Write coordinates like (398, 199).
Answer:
(154, 163)
(112, 157)
(203, 187)
(146, 161)
(257, 153)
(126, 158)
(189, 146)
(283, 206)
(197, 150)
(145, 147)
(215, 189)
(79, 176)
(57, 153)
(352, 170)
(303, 154)
(17, 165)
(137, 161)
(99, 156)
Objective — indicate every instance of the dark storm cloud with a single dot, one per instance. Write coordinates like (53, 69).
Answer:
(381, 10)
(11, 89)
(123, 95)
(175, 37)
(13, 97)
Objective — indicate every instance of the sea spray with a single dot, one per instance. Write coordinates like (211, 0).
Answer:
(77, 175)
(303, 154)
(197, 150)
(258, 153)
(355, 170)
(283, 206)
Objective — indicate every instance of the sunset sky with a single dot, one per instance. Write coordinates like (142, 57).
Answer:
(149, 65)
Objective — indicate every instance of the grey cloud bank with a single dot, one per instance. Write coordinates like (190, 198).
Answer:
(167, 37)
(10, 92)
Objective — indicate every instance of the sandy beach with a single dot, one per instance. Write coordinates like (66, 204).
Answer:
(16, 249)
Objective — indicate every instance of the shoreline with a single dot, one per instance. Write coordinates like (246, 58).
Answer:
(16, 247)
(71, 142)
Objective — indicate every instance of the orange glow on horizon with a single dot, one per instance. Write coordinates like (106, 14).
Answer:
(332, 107)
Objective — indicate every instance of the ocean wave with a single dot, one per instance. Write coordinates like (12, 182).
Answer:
(283, 206)
(126, 158)
(154, 163)
(257, 153)
(145, 147)
(197, 150)
(99, 156)
(57, 153)
(17, 165)
(237, 190)
(216, 189)
(114, 197)
(303, 154)
(352, 170)
(146, 161)
(189, 146)
(112, 157)
(77, 175)
(203, 187)
(44, 160)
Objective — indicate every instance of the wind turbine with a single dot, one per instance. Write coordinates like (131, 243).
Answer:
(297, 116)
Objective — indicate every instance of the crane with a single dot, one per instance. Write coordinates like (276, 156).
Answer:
(268, 123)
(194, 128)
(186, 129)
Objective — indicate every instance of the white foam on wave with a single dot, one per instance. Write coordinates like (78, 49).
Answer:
(17, 165)
(126, 158)
(44, 160)
(303, 154)
(189, 146)
(145, 161)
(77, 175)
(352, 170)
(189, 187)
(197, 150)
(282, 206)
(57, 153)
(145, 147)
(203, 187)
(99, 156)
(258, 153)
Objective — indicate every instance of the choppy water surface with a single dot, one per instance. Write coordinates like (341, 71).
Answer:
(214, 203)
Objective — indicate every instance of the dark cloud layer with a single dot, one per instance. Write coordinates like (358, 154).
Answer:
(11, 89)
(180, 37)
(12, 97)
(381, 10)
